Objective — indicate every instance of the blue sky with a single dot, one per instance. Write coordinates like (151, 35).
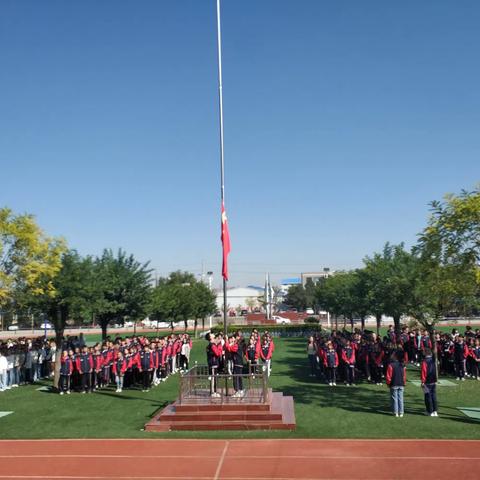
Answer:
(342, 121)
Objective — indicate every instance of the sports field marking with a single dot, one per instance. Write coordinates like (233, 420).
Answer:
(220, 462)
(4, 414)
(440, 383)
(470, 412)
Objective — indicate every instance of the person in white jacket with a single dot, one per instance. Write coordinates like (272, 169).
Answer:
(3, 372)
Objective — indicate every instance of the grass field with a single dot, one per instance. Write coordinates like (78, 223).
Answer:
(321, 411)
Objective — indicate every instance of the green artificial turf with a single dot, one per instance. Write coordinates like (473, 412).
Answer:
(321, 411)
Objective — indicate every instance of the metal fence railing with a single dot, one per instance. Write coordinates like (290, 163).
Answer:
(200, 385)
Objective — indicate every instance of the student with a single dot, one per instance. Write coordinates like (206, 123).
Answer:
(97, 367)
(185, 354)
(348, 358)
(396, 380)
(476, 359)
(84, 363)
(236, 356)
(3, 372)
(214, 352)
(251, 355)
(312, 356)
(266, 354)
(66, 369)
(429, 383)
(146, 367)
(119, 369)
(460, 353)
(331, 364)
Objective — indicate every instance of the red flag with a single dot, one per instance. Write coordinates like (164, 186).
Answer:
(225, 243)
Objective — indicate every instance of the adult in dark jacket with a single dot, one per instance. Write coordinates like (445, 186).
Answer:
(429, 383)
(396, 379)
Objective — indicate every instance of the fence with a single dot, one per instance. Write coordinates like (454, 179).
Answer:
(199, 386)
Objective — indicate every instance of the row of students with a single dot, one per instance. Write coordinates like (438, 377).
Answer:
(25, 361)
(236, 357)
(127, 362)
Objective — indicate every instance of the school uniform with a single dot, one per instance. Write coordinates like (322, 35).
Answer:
(214, 352)
(429, 380)
(66, 370)
(84, 363)
(237, 359)
(146, 368)
(266, 353)
(460, 353)
(107, 358)
(396, 379)
(476, 362)
(348, 358)
(119, 368)
(331, 364)
(97, 370)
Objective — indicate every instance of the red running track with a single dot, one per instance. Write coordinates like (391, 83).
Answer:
(239, 459)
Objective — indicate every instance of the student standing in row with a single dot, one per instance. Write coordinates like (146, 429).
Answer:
(396, 380)
(429, 383)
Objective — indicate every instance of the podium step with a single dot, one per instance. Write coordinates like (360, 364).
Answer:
(278, 414)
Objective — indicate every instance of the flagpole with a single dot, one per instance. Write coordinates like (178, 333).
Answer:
(222, 166)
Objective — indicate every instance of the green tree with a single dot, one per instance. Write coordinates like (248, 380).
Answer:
(28, 258)
(296, 297)
(122, 288)
(389, 278)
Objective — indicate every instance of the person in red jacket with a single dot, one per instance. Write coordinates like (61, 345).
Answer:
(84, 363)
(331, 363)
(266, 352)
(348, 358)
(119, 369)
(97, 367)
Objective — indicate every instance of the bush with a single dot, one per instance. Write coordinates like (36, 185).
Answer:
(312, 320)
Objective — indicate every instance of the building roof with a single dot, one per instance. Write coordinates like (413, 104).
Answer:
(291, 281)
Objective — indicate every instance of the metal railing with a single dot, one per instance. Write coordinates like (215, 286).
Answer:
(200, 385)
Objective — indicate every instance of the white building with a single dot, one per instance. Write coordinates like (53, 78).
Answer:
(239, 298)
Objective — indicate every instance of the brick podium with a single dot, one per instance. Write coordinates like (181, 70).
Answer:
(259, 408)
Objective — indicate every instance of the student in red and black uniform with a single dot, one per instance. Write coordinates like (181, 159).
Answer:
(348, 358)
(84, 363)
(107, 360)
(476, 359)
(214, 352)
(119, 368)
(376, 355)
(97, 367)
(251, 355)
(331, 363)
(66, 369)
(460, 353)
(146, 367)
(236, 354)
(429, 382)
(266, 352)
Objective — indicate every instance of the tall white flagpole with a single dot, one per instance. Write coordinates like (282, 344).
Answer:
(222, 166)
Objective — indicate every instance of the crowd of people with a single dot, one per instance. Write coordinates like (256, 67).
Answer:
(236, 356)
(346, 357)
(127, 362)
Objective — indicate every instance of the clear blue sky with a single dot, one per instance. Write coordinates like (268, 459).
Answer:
(342, 121)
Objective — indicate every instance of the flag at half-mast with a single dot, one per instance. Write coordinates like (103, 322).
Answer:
(225, 243)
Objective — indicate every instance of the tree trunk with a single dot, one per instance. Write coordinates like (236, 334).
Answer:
(379, 321)
(203, 325)
(351, 323)
(195, 328)
(363, 323)
(104, 326)
(185, 323)
(336, 322)
(396, 322)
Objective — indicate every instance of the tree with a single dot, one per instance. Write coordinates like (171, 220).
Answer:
(28, 258)
(448, 255)
(72, 298)
(181, 297)
(296, 297)
(337, 295)
(389, 278)
(122, 288)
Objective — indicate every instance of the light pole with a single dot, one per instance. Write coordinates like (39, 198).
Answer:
(210, 279)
